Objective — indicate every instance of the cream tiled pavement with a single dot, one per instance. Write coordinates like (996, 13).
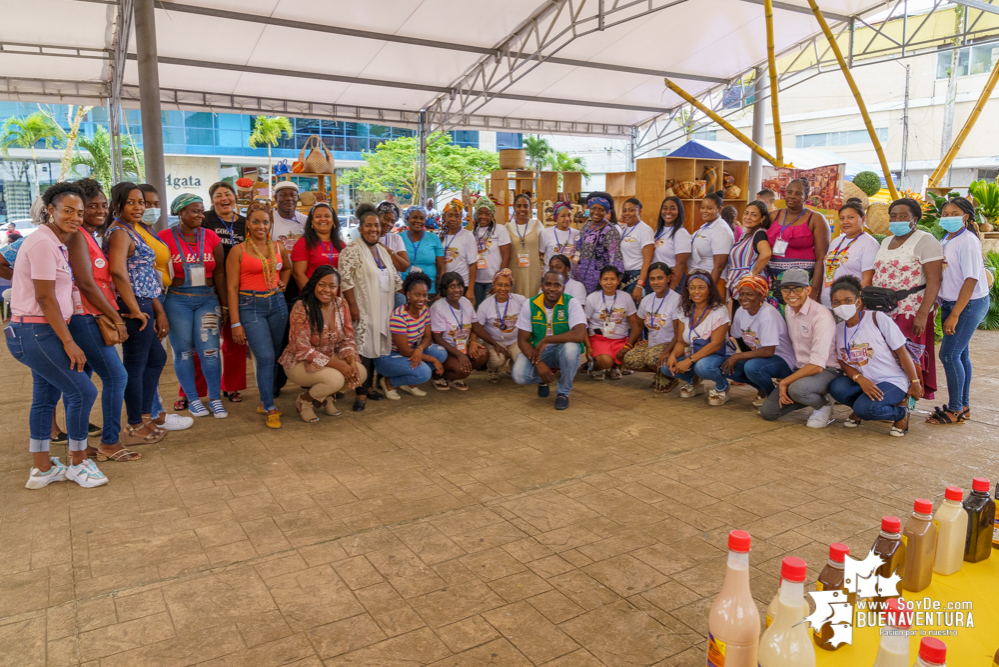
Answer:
(462, 529)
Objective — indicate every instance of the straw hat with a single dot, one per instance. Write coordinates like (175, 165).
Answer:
(850, 191)
(877, 218)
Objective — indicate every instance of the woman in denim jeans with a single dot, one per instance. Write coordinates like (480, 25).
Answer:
(198, 268)
(42, 301)
(414, 357)
(133, 270)
(257, 273)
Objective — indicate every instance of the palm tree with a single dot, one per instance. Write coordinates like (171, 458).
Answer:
(562, 161)
(98, 157)
(26, 132)
(268, 130)
(538, 150)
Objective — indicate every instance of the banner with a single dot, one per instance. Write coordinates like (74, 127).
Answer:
(825, 184)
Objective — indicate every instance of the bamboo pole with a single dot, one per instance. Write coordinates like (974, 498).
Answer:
(856, 95)
(721, 121)
(768, 9)
(939, 172)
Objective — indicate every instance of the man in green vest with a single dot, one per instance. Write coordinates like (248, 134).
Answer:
(551, 331)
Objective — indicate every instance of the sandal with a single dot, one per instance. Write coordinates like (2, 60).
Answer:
(852, 421)
(899, 432)
(330, 405)
(156, 429)
(233, 396)
(441, 384)
(492, 377)
(666, 385)
(131, 438)
(121, 456)
(305, 410)
(180, 404)
(942, 417)
(459, 385)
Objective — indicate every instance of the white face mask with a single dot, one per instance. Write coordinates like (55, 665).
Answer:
(846, 311)
(151, 216)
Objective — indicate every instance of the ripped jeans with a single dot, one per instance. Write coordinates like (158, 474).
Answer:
(194, 316)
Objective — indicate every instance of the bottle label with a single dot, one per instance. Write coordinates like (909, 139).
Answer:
(770, 619)
(716, 651)
(995, 535)
(905, 541)
(819, 586)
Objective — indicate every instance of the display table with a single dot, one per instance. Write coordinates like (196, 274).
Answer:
(977, 583)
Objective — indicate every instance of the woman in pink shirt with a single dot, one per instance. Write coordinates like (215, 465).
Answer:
(43, 299)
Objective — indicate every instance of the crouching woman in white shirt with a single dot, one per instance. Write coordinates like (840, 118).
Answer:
(498, 315)
(879, 375)
(657, 311)
(611, 315)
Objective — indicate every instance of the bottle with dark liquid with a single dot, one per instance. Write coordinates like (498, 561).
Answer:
(889, 546)
(920, 538)
(981, 511)
(831, 579)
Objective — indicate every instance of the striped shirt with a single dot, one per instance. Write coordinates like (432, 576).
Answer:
(402, 323)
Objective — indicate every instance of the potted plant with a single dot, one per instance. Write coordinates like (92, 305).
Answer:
(986, 196)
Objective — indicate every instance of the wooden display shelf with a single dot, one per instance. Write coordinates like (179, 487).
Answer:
(329, 191)
(651, 175)
(620, 185)
(504, 185)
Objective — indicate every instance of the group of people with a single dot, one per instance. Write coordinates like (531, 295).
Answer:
(751, 304)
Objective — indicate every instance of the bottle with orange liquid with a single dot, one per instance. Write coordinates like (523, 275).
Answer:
(734, 621)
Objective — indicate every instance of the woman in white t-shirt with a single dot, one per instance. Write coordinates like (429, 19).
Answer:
(460, 252)
(492, 246)
(560, 239)
(658, 311)
(699, 345)
(878, 373)
(712, 241)
(498, 315)
(611, 316)
(964, 296)
(672, 240)
(573, 288)
(851, 253)
(637, 248)
(454, 326)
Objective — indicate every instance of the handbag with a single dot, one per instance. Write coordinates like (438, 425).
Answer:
(281, 168)
(110, 332)
(885, 299)
(297, 167)
(319, 160)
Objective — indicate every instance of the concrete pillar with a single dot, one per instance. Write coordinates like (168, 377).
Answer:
(149, 102)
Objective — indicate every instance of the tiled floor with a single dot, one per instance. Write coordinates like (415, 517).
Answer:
(458, 529)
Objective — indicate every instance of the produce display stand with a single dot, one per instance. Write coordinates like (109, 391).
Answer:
(652, 173)
(542, 186)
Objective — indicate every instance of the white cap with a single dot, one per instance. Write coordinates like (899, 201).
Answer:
(285, 184)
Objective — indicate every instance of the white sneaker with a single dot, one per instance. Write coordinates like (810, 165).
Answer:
(415, 391)
(390, 394)
(218, 409)
(821, 416)
(86, 474)
(38, 479)
(175, 422)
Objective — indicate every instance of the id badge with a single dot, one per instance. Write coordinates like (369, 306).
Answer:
(77, 301)
(383, 279)
(575, 257)
(462, 345)
(780, 247)
(523, 260)
(195, 275)
(482, 260)
(688, 351)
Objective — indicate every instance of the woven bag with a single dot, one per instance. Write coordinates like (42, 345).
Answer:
(318, 160)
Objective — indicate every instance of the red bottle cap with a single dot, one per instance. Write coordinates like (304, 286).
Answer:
(902, 616)
(838, 552)
(739, 540)
(980, 484)
(891, 524)
(933, 650)
(924, 506)
(954, 493)
(793, 569)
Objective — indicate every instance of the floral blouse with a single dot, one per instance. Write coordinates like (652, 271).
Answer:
(315, 351)
(141, 265)
(902, 268)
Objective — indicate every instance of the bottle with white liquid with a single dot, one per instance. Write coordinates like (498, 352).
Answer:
(894, 650)
(734, 621)
(952, 525)
(772, 608)
(932, 653)
(786, 643)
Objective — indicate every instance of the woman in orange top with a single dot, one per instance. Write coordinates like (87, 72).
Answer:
(257, 272)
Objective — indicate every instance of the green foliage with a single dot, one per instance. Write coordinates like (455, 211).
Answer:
(562, 161)
(991, 320)
(932, 208)
(538, 149)
(986, 196)
(879, 237)
(869, 182)
(26, 131)
(97, 157)
(267, 131)
(394, 167)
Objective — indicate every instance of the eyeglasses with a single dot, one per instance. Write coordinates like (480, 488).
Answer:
(797, 289)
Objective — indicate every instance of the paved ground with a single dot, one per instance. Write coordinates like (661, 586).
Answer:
(459, 529)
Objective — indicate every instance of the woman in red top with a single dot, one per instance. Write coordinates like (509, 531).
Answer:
(194, 303)
(320, 243)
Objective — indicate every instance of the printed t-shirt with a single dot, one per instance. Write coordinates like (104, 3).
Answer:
(208, 240)
(287, 231)
(764, 329)
(321, 253)
(669, 245)
(693, 329)
(634, 240)
(962, 260)
(556, 242)
(403, 324)
(847, 257)
(869, 346)
(459, 252)
(488, 245)
(500, 319)
(454, 324)
(714, 238)
(41, 257)
(231, 232)
(658, 315)
(610, 314)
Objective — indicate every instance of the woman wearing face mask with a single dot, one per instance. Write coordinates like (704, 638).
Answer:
(851, 253)
(321, 356)
(672, 240)
(599, 242)
(369, 282)
(460, 252)
(878, 373)
(193, 304)
(611, 317)
(712, 241)
(911, 263)
(799, 238)
(455, 328)
(498, 315)
(320, 244)
(964, 293)
(493, 244)
(257, 272)
(525, 239)
(560, 239)
(750, 254)
(414, 358)
(424, 248)
(658, 311)
(637, 248)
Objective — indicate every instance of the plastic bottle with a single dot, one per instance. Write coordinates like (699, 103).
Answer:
(889, 546)
(831, 579)
(981, 511)
(932, 652)
(952, 530)
(920, 538)
(894, 649)
(734, 622)
(995, 528)
(786, 643)
(772, 608)
(995, 660)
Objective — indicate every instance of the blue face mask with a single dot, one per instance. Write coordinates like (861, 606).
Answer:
(151, 216)
(900, 228)
(952, 224)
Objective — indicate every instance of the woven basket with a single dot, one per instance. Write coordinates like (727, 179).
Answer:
(732, 192)
(513, 158)
(850, 191)
(319, 160)
(877, 218)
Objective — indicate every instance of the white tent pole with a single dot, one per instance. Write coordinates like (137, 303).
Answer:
(759, 124)
(149, 101)
(421, 179)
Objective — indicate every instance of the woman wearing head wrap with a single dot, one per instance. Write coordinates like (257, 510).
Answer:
(560, 239)
(460, 252)
(498, 315)
(194, 303)
(493, 244)
(911, 263)
(599, 242)
(525, 236)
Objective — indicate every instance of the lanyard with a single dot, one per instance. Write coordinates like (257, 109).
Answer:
(846, 341)
(559, 247)
(608, 313)
(481, 242)
(780, 235)
(199, 234)
(694, 326)
(328, 251)
(628, 231)
(460, 317)
(378, 258)
(502, 318)
(229, 226)
(840, 250)
(662, 233)
(655, 309)
(516, 228)
(704, 228)
(69, 267)
(416, 246)
(447, 246)
(946, 240)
